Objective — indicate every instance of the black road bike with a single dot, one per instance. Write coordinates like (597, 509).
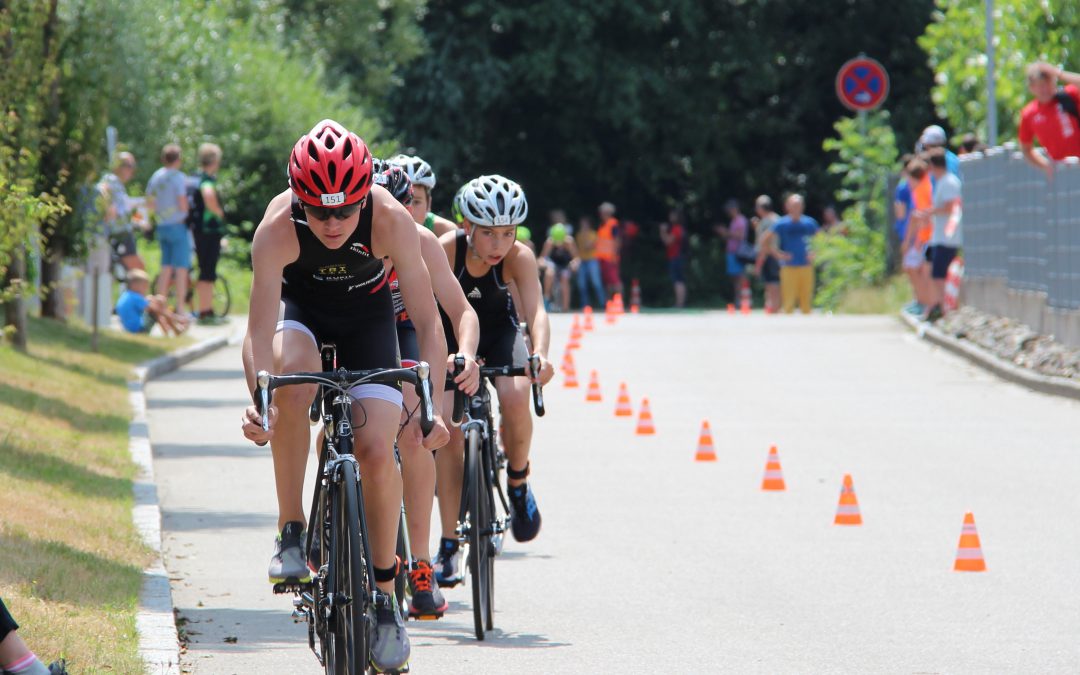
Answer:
(339, 602)
(485, 511)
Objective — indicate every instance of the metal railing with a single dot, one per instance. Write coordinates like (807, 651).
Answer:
(1020, 228)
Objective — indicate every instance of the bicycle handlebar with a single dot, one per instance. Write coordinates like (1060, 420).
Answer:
(343, 380)
(531, 371)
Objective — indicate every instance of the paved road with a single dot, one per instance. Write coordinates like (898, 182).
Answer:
(649, 561)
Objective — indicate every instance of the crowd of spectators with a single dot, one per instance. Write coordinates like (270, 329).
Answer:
(183, 215)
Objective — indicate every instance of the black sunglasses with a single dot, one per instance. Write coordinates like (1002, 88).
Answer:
(340, 212)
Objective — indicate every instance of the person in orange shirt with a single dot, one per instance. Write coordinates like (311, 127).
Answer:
(608, 241)
(918, 235)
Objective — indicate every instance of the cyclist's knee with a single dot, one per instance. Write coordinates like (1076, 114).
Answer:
(294, 397)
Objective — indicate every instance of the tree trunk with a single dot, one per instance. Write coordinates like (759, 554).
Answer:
(15, 309)
(52, 303)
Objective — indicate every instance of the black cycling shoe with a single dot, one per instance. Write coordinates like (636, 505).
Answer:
(524, 516)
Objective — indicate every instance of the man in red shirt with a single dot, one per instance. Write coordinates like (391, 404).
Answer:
(1053, 118)
(673, 234)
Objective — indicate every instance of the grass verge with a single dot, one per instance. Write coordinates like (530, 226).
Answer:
(885, 299)
(70, 557)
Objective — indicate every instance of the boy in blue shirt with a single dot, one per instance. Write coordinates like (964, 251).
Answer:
(138, 313)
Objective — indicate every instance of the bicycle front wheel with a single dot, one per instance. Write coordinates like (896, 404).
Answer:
(348, 594)
(479, 531)
(221, 300)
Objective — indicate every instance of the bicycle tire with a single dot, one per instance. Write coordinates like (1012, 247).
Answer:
(491, 477)
(401, 581)
(221, 298)
(348, 580)
(479, 522)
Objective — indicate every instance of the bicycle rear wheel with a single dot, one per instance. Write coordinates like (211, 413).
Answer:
(479, 531)
(491, 475)
(347, 586)
(221, 300)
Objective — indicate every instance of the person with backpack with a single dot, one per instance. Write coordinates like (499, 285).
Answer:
(206, 219)
(1052, 118)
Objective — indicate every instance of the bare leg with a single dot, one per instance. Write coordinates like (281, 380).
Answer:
(12, 649)
(382, 481)
(293, 351)
(181, 290)
(205, 289)
(564, 290)
(450, 467)
(517, 421)
(418, 474)
(680, 294)
(132, 262)
(164, 279)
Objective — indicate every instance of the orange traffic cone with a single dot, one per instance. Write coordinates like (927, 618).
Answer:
(645, 422)
(969, 556)
(745, 297)
(588, 324)
(570, 379)
(847, 512)
(593, 394)
(609, 313)
(705, 451)
(635, 297)
(622, 406)
(618, 304)
(567, 362)
(730, 308)
(575, 328)
(774, 475)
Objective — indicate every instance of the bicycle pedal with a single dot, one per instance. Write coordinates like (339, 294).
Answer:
(284, 587)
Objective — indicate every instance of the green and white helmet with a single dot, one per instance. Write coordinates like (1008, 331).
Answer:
(492, 201)
(418, 171)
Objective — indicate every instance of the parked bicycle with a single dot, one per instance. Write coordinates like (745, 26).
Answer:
(339, 603)
(485, 510)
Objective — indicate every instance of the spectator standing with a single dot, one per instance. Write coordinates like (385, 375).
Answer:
(917, 236)
(208, 228)
(588, 273)
(830, 221)
(608, 244)
(969, 144)
(167, 195)
(793, 233)
(1052, 118)
(934, 136)
(119, 210)
(561, 253)
(767, 263)
(947, 236)
(739, 252)
(673, 234)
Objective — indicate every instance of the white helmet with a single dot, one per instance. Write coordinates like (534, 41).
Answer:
(418, 171)
(493, 201)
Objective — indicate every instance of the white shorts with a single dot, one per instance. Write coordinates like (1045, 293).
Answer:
(382, 392)
(915, 257)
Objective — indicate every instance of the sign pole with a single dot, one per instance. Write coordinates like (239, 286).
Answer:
(991, 84)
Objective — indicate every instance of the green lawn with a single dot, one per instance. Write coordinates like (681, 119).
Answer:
(70, 557)
(885, 299)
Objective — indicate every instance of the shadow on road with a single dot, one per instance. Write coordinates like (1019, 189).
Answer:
(157, 403)
(189, 521)
(191, 450)
(253, 629)
(198, 374)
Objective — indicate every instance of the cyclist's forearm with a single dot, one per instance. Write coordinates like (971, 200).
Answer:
(467, 329)
(433, 350)
(540, 331)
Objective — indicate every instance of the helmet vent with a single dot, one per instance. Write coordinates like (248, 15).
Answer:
(347, 149)
(347, 179)
(312, 151)
(329, 141)
(331, 172)
(318, 183)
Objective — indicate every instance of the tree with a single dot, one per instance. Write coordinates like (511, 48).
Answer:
(27, 67)
(1024, 32)
(856, 257)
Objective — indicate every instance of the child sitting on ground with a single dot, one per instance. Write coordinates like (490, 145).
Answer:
(138, 313)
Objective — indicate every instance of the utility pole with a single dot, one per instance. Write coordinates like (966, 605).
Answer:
(991, 85)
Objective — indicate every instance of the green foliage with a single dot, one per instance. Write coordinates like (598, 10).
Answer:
(648, 104)
(1024, 32)
(855, 256)
(27, 68)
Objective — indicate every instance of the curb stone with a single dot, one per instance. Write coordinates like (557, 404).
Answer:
(1046, 384)
(159, 644)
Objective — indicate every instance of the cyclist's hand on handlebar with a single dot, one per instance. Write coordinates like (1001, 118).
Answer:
(468, 380)
(547, 371)
(439, 435)
(252, 424)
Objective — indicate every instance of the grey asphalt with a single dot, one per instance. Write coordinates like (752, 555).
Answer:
(649, 561)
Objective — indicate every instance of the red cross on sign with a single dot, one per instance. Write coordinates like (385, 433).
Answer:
(862, 84)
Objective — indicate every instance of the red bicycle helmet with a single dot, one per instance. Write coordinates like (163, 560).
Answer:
(330, 166)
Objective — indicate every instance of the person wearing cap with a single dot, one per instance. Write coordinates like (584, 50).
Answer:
(934, 136)
(138, 312)
(119, 211)
(560, 251)
(1052, 118)
(739, 251)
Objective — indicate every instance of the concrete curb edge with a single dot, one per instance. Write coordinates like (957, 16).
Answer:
(159, 643)
(1056, 386)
